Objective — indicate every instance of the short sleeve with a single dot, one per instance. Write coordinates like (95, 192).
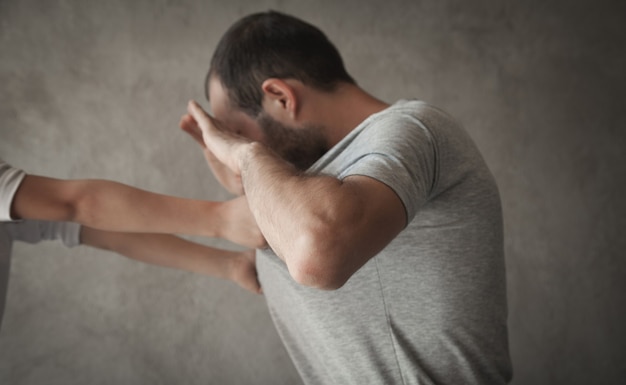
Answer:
(400, 153)
(32, 231)
(10, 179)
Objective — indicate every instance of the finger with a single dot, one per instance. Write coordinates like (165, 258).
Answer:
(188, 124)
(201, 117)
(197, 136)
(203, 120)
(187, 120)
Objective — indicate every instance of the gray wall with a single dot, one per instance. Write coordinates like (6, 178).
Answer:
(95, 89)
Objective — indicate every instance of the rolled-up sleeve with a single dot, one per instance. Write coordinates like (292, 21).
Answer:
(10, 179)
(30, 231)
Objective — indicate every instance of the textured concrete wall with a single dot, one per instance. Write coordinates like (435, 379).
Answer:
(95, 89)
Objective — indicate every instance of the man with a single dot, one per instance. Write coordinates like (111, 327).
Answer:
(35, 208)
(385, 262)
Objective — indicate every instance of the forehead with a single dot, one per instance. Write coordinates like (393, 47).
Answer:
(230, 117)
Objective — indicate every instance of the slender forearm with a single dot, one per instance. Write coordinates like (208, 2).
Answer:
(162, 250)
(113, 206)
(174, 252)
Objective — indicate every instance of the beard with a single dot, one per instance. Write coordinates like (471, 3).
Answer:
(299, 146)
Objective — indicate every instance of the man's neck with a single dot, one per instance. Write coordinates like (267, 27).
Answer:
(344, 109)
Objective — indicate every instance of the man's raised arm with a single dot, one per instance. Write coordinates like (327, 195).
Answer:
(324, 228)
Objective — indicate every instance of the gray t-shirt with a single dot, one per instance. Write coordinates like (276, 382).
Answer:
(431, 307)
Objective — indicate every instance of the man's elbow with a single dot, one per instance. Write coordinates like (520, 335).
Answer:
(319, 267)
(318, 279)
(323, 254)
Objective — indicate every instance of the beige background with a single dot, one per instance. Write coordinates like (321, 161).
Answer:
(94, 89)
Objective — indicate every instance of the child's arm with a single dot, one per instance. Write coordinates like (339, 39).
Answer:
(171, 251)
(113, 206)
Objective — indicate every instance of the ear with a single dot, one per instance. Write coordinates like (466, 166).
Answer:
(280, 98)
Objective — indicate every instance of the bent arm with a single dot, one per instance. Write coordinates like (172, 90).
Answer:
(113, 206)
(174, 252)
(324, 228)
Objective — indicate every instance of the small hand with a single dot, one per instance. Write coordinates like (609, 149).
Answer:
(238, 224)
(243, 271)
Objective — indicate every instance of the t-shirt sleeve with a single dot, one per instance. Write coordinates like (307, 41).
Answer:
(10, 179)
(401, 153)
(32, 231)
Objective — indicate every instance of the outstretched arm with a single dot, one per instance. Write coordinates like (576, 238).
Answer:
(113, 206)
(174, 252)
(324, 228)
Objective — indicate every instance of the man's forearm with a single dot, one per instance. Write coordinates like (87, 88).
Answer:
(324, 228)
(304, 218)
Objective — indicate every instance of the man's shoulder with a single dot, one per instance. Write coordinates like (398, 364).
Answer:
(415, 109)
(403, 119)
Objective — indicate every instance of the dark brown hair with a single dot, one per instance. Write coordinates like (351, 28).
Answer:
(273, 45)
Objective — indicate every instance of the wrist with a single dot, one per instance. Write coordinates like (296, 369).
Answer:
(213, 217)
(247, 152)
